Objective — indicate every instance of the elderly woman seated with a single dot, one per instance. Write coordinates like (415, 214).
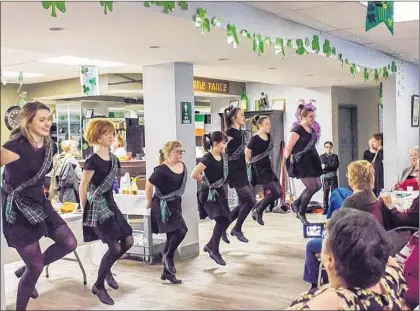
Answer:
(362, 275)
(411, 172)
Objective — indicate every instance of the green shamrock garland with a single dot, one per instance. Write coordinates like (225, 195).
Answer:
(54, 5)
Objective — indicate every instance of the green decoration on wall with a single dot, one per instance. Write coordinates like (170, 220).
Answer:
(202, 22)
(290, 44)
(107, 5)
(258, 44)
(216, 22)
(55, 5)
(279, 48)
(246, 34)
(267, 41)
(376, 75)
(385, 72)
(366, 74)
(300, 48)
(168, 6)
(380, 12)
(307, 42)
(326, 48)
(183, 5)
(393, 67)
(353, 69)
(315, 44)
(333, 51)
(232, 35)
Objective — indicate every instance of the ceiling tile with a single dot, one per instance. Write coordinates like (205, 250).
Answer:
(298, 18)
(348, 35)
(278, 7)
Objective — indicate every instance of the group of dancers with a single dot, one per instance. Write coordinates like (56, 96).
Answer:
(28, 215)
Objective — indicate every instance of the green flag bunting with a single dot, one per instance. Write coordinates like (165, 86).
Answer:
(378, 12)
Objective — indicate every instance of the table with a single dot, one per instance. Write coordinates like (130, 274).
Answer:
(403, 199)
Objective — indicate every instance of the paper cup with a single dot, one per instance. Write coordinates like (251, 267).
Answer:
(410, 189)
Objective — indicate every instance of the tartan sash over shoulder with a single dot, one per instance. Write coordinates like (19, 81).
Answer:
(34, 213)
(164, 199)
(238, 152)
(99, 210)
(218, 183)
(259, 157)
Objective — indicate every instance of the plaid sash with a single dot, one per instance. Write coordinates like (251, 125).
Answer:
(164, 199)
(240, 150)
(259, 157)
(34, 213)
(218, 183)
(295, 158)
(99, 210)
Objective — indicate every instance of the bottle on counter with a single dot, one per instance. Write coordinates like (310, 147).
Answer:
(134, 190)
(125, 184)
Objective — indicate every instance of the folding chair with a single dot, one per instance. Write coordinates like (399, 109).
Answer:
(47, 275)
(399, 237)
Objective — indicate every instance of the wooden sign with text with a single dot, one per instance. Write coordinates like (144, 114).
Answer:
(211, 86)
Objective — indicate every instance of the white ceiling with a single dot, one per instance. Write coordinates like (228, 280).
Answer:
(126, 34)
(347, 20)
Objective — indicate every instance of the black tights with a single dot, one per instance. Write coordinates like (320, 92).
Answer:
(313, 185)
(222, 223)
(246, 196)
(115, 250)
(173, 239)
(65, 243)
(274, 194)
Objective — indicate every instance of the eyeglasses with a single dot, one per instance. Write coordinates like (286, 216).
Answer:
(180, 151)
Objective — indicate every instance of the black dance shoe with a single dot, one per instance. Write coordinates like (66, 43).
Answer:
(218, 259)
(206, 249)
(295, 209)
(103, 295)
(111, 281)
(225, 238)
(169, 264)
(303, 219)
(19, 272)
(239, 235)
(166, 275)
(258, 217)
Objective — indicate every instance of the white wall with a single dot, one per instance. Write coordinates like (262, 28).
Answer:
(291, 95)
(399, 136)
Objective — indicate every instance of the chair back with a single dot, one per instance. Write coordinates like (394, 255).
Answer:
(399, 237)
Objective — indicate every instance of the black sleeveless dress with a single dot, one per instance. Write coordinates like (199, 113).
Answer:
(219, 207)
(237, 177)
(262, 172)
(22, 232)
(115, 227)
(167, 182)
(310, 163)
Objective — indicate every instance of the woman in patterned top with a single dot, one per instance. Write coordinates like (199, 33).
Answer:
(102, 218)
(363, 276)
(27, 213)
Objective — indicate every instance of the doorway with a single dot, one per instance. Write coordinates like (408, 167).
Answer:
(347, 133)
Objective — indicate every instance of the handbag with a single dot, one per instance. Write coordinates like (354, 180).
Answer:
(293, 169)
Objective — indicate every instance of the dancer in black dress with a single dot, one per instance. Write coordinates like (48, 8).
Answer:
(27, 213)
(212, 172)
(238, 174)
(257, 154)
(169, 180)
(303, 162)
(102, 219)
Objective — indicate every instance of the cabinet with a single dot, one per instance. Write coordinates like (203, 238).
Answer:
(68, 123)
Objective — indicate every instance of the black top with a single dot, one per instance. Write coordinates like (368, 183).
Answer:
(310, 163)
(237, 168)
(330, 161)
(100, 166)
(258, 145)
(214, 168)
(166, 180)
(368, 156)
(26, 167)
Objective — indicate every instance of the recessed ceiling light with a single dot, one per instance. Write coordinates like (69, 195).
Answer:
(76, 61)
(15, 74)
(338, 80)
(310, 75)
(223, 59)
(272, 68)
(57, 29)
(154, 47)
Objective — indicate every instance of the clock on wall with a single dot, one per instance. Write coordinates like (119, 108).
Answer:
(11, 117)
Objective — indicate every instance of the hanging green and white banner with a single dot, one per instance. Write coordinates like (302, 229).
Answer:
(89, 80)
(380, 12)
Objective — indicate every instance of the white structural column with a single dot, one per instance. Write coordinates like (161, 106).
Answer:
(165, 87)
(399, 135)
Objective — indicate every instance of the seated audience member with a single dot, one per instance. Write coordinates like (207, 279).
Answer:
(337, 199)
(361, 179)
(408, 217)
(362, 275)
(408, 258)
(411, 172)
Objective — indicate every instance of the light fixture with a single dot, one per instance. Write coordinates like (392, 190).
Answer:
(154, 47)
(57, 29)
(404, 11)
(15, 74)
(76, 61)
(223, 59)
(310, 75)
(272, 68)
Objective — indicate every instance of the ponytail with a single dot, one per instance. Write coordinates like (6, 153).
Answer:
(228, 114)
(207, 143)
(161, 157)
(257, 120)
